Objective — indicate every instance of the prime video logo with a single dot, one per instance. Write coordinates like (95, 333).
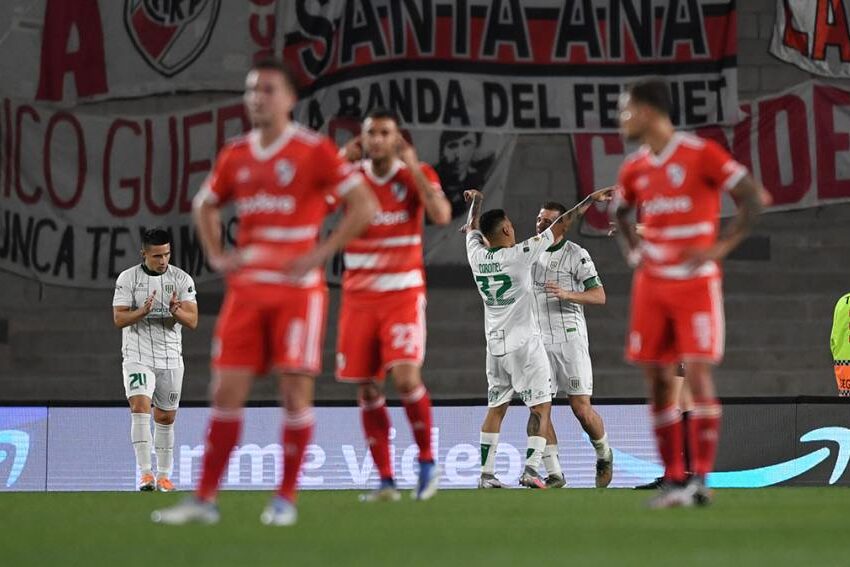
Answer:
(20, 441)
(343, 466)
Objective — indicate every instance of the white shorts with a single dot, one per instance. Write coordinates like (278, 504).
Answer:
(524, 371)
(571, 369)
(163, 386)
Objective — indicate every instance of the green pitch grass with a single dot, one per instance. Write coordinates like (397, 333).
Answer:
(785, 526)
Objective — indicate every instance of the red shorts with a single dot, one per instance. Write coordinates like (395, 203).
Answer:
(376, 334)
(283, 331)
(675, 320)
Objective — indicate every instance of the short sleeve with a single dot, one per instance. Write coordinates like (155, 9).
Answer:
(474, 243)
(336, 176)
(585, 271)
(187, 290)
(719, 168)
(218, 186)
(531, 249)
(432, 177)
(625, 191)
(123, 296)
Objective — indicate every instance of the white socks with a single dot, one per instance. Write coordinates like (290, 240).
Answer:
(140, 435)
(534, 454)
(163, 443)
(603, 450)
(551, 460)
(489, 443)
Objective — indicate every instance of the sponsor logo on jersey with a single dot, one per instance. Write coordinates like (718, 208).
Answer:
(388, 218)
(675, 174)
(399, 191)
(667, 205)
(265, 203)
(285, 171)
(170, 35)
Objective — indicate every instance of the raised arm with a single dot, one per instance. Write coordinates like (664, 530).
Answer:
(474, 198)
(563, 223)
(437, 207)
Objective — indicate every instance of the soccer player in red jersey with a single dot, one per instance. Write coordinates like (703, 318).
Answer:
(676, 180)
(279, 177)
(382, 318)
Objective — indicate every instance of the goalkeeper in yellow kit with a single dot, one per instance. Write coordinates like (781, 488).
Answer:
(839, 343)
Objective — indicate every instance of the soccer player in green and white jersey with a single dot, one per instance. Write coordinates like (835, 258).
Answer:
(516, 357)
(565, 279)
(153, 301)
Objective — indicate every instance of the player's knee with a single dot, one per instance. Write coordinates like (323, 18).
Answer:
(368, 392)
(163, 417)
(406, 378)
(140, 404)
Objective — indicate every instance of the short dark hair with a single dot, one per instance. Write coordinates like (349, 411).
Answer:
(278, 65)
(155, 237)
(451, 135)
(491, 221)
(381, 113)
(554, 206)
(653, 92)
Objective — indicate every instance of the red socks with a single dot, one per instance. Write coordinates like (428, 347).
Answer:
(376, 426)
(297, 432)
(668, 433)
(417, 404)
(703, 434)
(222, 436)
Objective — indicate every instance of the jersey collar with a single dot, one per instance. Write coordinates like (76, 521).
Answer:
(495, 248)
(149, 272)
(370, 173)
(262, 154)
(558, 246)
(666, 153)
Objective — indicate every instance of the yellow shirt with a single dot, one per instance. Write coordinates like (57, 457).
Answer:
(839, 340)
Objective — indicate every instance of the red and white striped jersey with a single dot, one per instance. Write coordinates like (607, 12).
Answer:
(677, 193)
(387, 257)
(280, 196)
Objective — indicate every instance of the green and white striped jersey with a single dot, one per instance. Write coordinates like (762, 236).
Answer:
(503, 277)
(155, 341)
(571, 267)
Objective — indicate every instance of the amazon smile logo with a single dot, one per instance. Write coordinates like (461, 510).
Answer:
(762, 476)
(14, 444)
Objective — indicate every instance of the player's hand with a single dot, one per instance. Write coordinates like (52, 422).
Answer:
(226, 262)
(696, 257)
(300, 266)
(473, 194)
(353, 149)
(605, 194)
(407, 153)
(147, 306)
(174, 304)
(554, 290)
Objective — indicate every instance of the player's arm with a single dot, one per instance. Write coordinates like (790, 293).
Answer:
(184, 312)
(475, 199)
(206, 214)
(626, 231)
(593, 294)
(563, 223)
(748, 193)
(124, 315)
(437, 207)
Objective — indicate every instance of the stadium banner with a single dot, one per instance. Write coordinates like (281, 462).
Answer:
(797, 143)
(532, 66)
(77, 189)
(813, 35)
(89, 449)
(67, 51)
